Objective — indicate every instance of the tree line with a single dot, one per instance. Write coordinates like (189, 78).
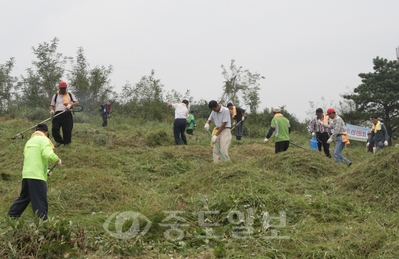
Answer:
(377, 94)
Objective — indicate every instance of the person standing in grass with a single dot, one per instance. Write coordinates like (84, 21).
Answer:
(61, 101)
(38, 152)
(322, 134)
(238, 114)
(221, 136)
(338, 126)
(282, 129)
(179, 125)
(370, 143)
(379, 134)
(190, 123)
(106, 110)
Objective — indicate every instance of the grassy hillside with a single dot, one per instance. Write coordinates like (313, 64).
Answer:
(297, 204)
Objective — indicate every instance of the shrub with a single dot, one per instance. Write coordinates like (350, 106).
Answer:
(41, 239)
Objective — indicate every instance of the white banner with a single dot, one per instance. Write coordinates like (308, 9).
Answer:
(357, 132)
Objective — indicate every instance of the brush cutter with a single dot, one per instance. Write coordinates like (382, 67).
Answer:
(236, 125)
(217, 145)
(49, 172)
(76, 108)
(297, 145)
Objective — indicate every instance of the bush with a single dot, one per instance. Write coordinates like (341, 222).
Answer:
(41, 239)
(35, 114)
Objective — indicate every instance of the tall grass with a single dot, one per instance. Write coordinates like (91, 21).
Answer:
(297, 204)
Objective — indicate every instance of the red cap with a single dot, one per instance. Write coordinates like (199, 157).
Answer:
(62, 84)
(330, 110)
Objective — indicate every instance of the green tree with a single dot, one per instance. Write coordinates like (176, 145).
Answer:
(251, 98)
(176, 97)
(379, 94)
(241, 84)
(8, 86)
(40, 84)
(201, 109)
(90, 86)
(145, 99)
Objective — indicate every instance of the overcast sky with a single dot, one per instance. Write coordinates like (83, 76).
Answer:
(305, 49)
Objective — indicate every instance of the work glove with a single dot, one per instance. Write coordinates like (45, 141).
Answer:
(313, 134)
(69, 106)
(234, 123)
(385, 143)
(243, 118)
(368, 144)
(206, 126)
(49, 173)
(329, 140)
(214, 139)
(266, 140)
(59, 162)
(52, 112)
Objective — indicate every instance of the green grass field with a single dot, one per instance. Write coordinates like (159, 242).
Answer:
(126, 191)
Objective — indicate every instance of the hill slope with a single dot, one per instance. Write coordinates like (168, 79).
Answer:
(298, 204)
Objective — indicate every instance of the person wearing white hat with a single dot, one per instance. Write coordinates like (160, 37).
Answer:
(281, 127)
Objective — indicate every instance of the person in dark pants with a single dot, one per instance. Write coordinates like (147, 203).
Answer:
(179, 126)
(379, 134)
(282, 129)
(322, 133)
(191, 124)
(238, 114)
(38, 152)
(106, 110)
(62, 101)
(370, 143)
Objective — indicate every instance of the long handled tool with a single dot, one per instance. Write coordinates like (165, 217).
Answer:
(34, 126)
(49, 172)
(217, 145)
(297, 145)
(76, 108)
(236, 125)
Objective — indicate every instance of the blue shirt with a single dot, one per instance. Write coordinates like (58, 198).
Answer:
(105, 109)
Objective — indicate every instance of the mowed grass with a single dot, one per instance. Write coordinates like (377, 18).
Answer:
(297, 204)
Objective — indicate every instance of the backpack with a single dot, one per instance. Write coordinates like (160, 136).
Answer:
(56, 95)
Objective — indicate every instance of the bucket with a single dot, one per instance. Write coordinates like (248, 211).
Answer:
(313, 143)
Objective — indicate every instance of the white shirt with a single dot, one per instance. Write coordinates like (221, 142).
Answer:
(219, 117)
(59, 106)
(181, 111)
